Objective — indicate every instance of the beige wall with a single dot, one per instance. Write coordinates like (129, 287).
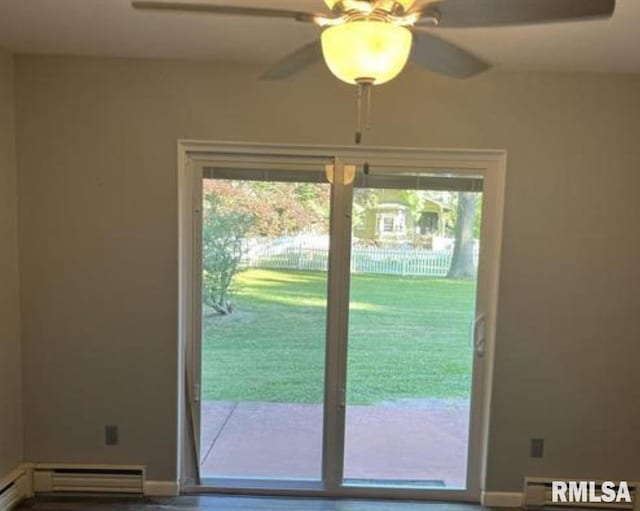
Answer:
(98, 220)
(10, 360)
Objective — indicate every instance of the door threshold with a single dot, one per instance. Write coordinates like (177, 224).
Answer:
(317, 490)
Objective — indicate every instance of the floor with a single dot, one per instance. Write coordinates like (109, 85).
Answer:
(224, 503)
(411, 441)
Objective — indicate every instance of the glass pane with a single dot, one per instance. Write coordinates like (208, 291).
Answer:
(412, 304)
(264, 252)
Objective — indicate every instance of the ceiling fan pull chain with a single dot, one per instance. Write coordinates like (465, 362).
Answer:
(364, 110)
(359, 113)
(369, 91)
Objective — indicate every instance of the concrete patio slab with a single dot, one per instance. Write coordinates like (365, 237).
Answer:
(387, 442)
(266, 440)
(213, 416)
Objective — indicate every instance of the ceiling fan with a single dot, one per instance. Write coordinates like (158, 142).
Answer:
(368, 42)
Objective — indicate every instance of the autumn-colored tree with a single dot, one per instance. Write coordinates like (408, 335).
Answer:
(236, 210)
(278, 208)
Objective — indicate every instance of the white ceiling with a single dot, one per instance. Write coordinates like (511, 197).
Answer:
(113, 28)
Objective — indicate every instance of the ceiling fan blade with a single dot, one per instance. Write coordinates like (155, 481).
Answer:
(487, 13)
(207, 7)
(295, 62)
(443, 57)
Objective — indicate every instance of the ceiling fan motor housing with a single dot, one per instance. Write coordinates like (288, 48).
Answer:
(389, 7)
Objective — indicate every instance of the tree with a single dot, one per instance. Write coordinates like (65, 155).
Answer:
(223, 232)
(235, 210)
(278, 208)
(462, 264)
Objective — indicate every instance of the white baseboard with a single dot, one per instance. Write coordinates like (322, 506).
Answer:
(161, 488)
(27, 468)
(502, 499)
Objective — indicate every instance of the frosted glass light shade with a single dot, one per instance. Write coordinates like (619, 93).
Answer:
(368, 50)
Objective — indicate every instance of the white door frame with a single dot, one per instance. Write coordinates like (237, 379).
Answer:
(194, 155)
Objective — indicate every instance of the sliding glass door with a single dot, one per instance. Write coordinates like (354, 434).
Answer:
(414, 260)
(265, 236)
(342, 325)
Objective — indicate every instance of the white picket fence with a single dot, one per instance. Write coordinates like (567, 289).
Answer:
(387, 261)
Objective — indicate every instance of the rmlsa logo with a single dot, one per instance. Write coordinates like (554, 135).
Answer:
(590, 491)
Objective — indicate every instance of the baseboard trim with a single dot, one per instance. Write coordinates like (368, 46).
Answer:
(502, 499)
(161, 488)
(27, 468)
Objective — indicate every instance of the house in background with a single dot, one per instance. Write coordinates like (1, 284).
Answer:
(395, 222)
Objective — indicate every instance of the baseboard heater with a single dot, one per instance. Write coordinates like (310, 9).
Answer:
(10, 495)
(88, 479)
(538, 494)
(13, 489)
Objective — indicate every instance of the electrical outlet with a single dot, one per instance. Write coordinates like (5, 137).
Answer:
(111, 434)
(537, 447)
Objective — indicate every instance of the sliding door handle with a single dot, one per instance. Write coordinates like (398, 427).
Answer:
(342, 398)
(479, 334)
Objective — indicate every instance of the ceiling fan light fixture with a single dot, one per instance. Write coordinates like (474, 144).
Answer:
(375, 51)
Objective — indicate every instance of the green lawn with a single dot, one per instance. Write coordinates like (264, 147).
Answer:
(409, 338)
